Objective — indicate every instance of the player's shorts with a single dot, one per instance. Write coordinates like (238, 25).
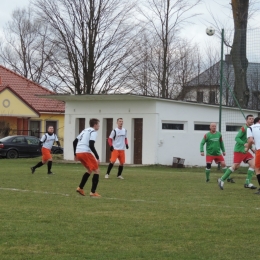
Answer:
(216, 158)
(46, 154)
(257, 158)
(242, 157)
(118, 154)
(88, 161)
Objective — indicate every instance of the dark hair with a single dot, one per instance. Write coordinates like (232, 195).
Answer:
(119, 119)
(249, 116)
(93, 121)
(256, 120)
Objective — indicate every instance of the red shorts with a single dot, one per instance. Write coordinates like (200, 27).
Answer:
(46, 154)
(216, 158)
(88, 161)
(118, 154)
(242, 157)
(257, 158)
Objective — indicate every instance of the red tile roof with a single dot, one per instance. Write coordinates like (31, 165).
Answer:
(28, 90)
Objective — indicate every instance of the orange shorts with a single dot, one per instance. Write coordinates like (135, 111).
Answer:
(46, 154)
(88, 161)
(118, 154)
(257, 158)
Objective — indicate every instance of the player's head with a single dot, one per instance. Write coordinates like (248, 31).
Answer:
(213, 127)
(256, 120)
(119, 122)
(249, 120)
(94, 122)
(50, 129)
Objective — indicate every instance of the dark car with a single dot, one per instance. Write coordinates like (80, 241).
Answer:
(19, 146)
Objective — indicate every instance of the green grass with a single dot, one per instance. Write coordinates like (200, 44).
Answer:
(155, 213)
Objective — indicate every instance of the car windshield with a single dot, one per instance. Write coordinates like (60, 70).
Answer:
(5, 138)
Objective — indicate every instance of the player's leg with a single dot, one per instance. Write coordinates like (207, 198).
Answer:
(114, 155)
(121, 158)
(93, 165)
(257, 169)
(250, 172)
(49, 165)
(209, 160)
(82, 157)
(42, 162)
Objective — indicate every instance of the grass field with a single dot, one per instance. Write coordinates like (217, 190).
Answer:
(155, 213)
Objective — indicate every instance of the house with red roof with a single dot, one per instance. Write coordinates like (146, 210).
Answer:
(22, 108)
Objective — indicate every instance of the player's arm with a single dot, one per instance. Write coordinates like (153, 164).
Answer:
(75, 142)
(93, 149)
(42, 140)
(222, 146)
(110, 140)
(250, 139)
(239, 135)
(126, 143)
(57, 140)
(203, 141)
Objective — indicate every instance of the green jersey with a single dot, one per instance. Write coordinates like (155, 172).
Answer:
(214, 144)
(241, 139)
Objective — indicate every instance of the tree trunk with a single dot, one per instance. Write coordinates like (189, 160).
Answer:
(239, 59)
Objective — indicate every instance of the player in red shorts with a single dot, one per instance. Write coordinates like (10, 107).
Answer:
(241, 156)
(214, 149)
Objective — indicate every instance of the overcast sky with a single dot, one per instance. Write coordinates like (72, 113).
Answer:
(195, 31)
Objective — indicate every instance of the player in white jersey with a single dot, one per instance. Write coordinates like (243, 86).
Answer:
(84, 149)
(253, 137)
(47, 142)
(117, 142)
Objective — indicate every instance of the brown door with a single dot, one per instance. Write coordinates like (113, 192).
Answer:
(108, 132)
(138, 140)
(81, 124)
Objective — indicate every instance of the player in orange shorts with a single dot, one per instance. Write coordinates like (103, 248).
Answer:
(47, 141)
(84, 149)
(253, 137)
(117, 142)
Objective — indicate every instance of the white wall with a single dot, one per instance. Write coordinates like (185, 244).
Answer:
(128, 110)
(159, 146)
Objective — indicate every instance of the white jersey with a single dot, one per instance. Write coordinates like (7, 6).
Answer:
(48, 140)
(83, 140)
(254, 131)
(118, 138)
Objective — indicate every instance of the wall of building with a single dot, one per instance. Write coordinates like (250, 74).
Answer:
(128, 110)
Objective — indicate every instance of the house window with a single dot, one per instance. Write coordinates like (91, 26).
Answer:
(199, 96)
(35, 128)
(172, 126)
(81, 124)
(201, 127)
(232, 128)
(212, 96)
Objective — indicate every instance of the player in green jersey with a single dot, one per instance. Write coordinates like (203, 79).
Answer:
(241, 156)
(214, 149)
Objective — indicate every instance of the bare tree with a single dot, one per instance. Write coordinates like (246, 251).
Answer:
(94, 38)
(238, 52)
(25, 48)
(165, 18)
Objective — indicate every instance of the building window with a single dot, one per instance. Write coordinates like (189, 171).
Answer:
(212, 97)
(199, 96)
(232, 128)
(81, 124)
(172, 126)
(201, 127)
(34, 129)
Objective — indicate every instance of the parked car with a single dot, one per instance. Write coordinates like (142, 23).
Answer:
(21, 146)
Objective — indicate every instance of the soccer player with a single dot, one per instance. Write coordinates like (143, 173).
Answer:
(253, 135)
(46, 142)
(241, 156)
(117, 142)
(214, 149)
(84, 146)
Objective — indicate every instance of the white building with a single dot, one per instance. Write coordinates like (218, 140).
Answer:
(158, 129)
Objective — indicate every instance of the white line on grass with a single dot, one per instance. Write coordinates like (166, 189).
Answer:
(147, 201)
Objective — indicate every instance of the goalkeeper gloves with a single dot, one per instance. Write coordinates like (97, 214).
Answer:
(112, 148)
(126, 146)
